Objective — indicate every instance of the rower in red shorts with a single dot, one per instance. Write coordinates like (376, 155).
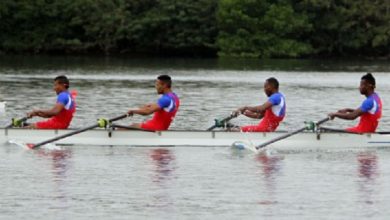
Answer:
(164, 110)
(271, 112)
(369, 112)
(62, 113)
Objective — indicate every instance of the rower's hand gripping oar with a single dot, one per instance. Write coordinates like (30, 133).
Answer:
(101, 123)
(222, 122)
(308, 126)
(17, 122)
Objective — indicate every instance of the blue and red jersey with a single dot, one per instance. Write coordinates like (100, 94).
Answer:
(169, 104)
(64, 118)
(272, 116)
(369, 120)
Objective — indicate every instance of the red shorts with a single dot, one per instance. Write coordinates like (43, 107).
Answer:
(151, 126)
(50, 124)
(358, 130)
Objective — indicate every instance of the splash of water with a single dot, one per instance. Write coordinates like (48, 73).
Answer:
(28, 146)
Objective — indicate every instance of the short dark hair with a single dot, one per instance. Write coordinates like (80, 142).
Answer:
(165, 79)
(369, 78)
(62, 80)
(274, 82)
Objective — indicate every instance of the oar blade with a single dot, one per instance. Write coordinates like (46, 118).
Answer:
(241, 145)
(31, 146)
(48, 146)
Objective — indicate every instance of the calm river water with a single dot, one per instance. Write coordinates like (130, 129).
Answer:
(191, 182)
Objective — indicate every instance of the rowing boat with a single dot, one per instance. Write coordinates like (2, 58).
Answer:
(103, 137)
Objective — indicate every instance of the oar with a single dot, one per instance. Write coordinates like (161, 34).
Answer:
(17, 122)
(219, 123)
(309, 126)
(101, 123)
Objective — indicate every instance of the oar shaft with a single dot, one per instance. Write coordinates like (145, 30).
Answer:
(289, 134)
(65, 135)
(280, 138)
(76, 132)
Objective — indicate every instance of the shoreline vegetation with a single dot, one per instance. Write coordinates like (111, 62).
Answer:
(202, 28)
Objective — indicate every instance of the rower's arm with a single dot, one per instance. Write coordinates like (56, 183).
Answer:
(260, 109)
(255, 115)
(347, 115)
(146, 109)
(346, 110)
(47, 113)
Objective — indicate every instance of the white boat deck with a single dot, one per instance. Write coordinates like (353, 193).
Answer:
(99, 137)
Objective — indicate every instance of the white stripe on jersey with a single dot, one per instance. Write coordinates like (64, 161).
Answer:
(277, 109)
(170, 107)
(374, 107)
(69, 104)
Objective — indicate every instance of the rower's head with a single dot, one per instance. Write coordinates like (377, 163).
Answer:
(367, 84)
(61, 83)
(271, 85)
(163, 84)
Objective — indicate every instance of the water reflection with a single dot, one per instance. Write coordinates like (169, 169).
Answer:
(271, 168)
(368, 173)
(59, 161)
(60, 164)
(368, 166)
(163, 164)
(163, 161)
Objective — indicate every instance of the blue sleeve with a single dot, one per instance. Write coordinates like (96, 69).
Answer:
(367, 105)
(164, 101)
(63, 98)
(275, 99)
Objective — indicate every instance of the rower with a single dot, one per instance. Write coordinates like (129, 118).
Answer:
(62, 113)
(271, 112)
(164, 110)
(370, 110)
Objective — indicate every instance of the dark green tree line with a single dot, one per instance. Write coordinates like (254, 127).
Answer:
(152, 26)
(238, 28)
(262, 28)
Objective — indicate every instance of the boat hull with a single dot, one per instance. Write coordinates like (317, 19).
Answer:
(101, 137)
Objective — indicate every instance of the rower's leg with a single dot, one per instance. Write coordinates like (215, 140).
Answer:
(135, 126)
(30, 126)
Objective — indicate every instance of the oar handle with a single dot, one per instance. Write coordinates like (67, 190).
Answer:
(322, 121)
(292, 133)
(119, 117)
(224, 120)
(76, 132)
(17, 122)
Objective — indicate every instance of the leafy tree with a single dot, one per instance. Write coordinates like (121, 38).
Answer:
(258, 28)
(349, 27)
